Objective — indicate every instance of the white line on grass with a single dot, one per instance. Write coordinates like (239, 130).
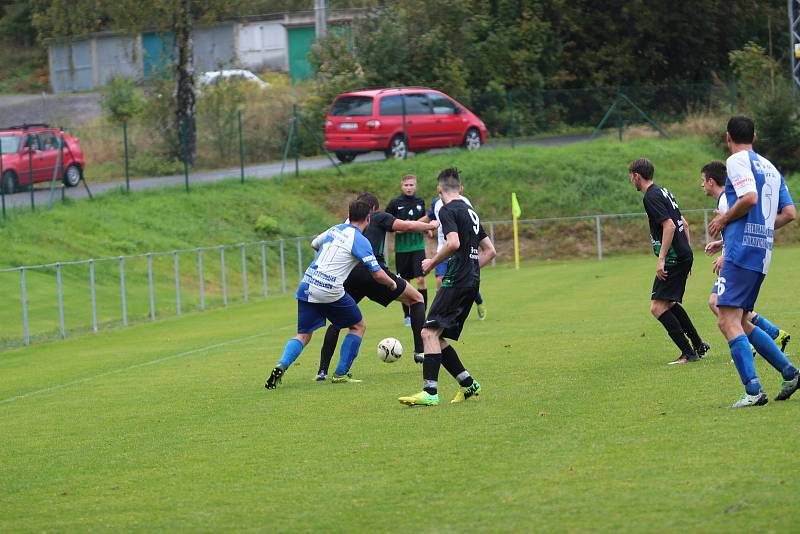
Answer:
(136, 366)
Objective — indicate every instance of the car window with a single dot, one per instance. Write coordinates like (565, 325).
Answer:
(352, 106)
(418, 104)
(442, 105)
(9, 144)
(32, 141)
(48, 141)
(392, 105)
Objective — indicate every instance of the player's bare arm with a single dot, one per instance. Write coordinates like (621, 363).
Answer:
(785, 216)
(486, 251)
(739, 209)
(414, 226)
(451, 245)
(668, 227)
(686, 230)
(382, 278)
(713, 247)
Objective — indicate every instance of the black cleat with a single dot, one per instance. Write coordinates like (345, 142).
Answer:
(702, 348)
(274, 378)
(788, 388)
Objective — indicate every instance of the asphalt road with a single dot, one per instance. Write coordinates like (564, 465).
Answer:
(260, 172)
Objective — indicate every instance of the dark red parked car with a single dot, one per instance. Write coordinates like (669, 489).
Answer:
(32, 150)
(376, 119)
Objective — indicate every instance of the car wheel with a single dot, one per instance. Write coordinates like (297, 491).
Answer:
(397, 148)
(472, 141)
(9, 183)
(345, 157)
(72, 176)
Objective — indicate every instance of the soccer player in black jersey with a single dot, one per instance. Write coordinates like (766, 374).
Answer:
(409, 247)
(360, 283)
(669, 234)
(467, 248)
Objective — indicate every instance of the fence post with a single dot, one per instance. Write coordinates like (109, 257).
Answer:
(2, 185)
(264, 267)
(283, 266)
(599, 238)
(244, 271)
(182, 133)
(125, 142)
(241, 145)
(705, 225)
(299, 259)
(200, 274)
(491, 236)
(177, 283)
(25, 332)
(60, 301)
(150, 285)
(296, 146)
(94, 296)
(30, 171)
(122, 290)
(224, 279)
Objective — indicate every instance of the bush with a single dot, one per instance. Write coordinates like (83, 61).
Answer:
(121, 100)
(266, 226)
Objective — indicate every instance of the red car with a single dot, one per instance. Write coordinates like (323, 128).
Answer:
(32, 150)
(397, 121)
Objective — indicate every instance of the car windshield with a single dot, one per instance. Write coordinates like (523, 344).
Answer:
(352, 106)
(9, 144)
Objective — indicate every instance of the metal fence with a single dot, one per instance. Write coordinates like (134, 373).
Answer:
(54, 300)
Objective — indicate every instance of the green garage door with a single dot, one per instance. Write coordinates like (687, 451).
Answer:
(300, 41)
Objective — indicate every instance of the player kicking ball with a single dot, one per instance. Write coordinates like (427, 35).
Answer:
(712, 180)
(361, 283)
(468, 248)
(321, 295)
(748, 230)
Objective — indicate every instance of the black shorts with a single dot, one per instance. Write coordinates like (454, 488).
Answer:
(673, 287)
(450, 309)
(360, 284)
(409, 264)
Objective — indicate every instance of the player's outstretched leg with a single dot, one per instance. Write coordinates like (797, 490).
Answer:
(290, 353)
(348, 353)
(767, 347)
(700, 346)
(480, 306)
(469, 387)
(326, 352)
(781, 337)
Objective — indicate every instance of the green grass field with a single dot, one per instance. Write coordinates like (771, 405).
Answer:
(581, 426)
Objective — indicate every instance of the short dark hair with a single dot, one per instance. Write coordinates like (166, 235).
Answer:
(450, 180)
(370, 199)
(717, 171)
(359, 210)
(742, 129)
(643, 167)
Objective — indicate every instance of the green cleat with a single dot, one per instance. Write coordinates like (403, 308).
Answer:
(466, 392)
(482, 312)
(423, 398)
(336, 379)
(783, 339)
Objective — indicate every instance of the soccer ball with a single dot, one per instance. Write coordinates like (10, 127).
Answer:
(390, 350)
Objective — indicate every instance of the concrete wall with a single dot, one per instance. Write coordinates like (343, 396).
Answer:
(214, 47)
(262, 45)
(71, 66)
(116, 56)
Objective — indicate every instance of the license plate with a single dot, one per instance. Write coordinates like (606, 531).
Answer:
(348, 126)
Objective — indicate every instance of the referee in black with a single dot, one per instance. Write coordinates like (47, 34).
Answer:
(467, 248)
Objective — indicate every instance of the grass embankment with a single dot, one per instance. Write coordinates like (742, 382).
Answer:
(581, 426)
(23, 69)
(578, 179)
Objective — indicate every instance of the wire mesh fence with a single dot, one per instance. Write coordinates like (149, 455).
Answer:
(56, 300)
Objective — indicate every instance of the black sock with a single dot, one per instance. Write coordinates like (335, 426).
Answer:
(452, 363)
(328, 348)
(673, 328)
(417, 322)
(406, 311)
(430, 372)
(686, 324)
(478, 298)
(424, 297)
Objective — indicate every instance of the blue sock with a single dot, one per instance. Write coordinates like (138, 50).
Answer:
(290, 353)
(766, 347)
(771, 330)
(348, 353)
(743, 359)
